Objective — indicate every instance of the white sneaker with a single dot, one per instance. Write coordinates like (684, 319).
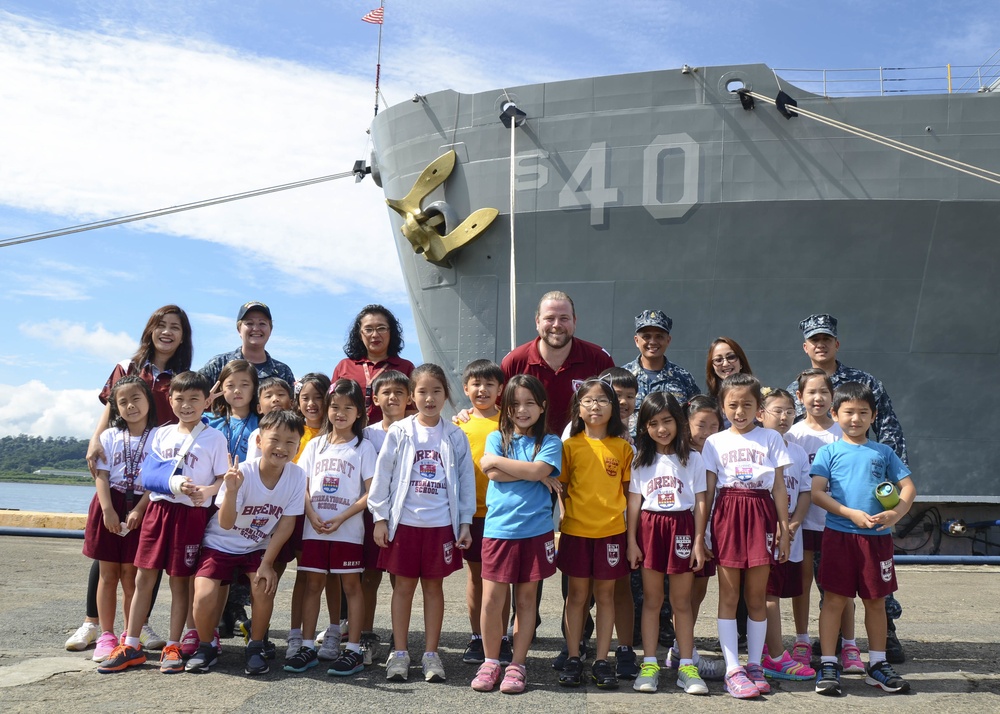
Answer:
(84, 637)
(150, 640)
(330, 649)
(294, 642)
(397, 668)
(433, 669)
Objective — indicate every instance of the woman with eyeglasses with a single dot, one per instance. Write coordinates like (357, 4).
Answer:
(725, 357)
(372, 347)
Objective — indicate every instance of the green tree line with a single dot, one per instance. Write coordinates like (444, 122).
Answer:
(26, 454)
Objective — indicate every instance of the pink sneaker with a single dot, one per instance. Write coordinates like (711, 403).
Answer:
(737, 684)
(189, 643)
(514, 679)
(487, 677)
(850, 660)
(802, 653)
(755, 673)
(106, 644)
(787, 668)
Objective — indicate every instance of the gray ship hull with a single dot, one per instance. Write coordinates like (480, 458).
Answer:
(658, 190)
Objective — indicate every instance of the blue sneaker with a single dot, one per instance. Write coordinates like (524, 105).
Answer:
(883, 676)
(828, 680)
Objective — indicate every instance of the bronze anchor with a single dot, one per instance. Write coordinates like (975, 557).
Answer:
(420, 227)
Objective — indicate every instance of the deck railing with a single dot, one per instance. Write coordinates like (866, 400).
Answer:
(897, 80)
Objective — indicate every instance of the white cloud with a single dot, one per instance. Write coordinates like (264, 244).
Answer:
(108, 125)
(74, 338)
(32, 408)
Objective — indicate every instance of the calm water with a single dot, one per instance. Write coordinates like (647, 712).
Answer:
(51, 498)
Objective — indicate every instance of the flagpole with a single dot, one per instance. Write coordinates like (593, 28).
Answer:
(378, 57)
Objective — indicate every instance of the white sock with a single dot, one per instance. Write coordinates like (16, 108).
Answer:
(649, 660)
(686, 662)
(756, 634)
(729, 639)
(311, 644)
(492, 661)
(354, 647)
(803, 637)
(845, 642)
(828, 660)
(874, 657)
(132, 642)
(295, 632)
(430, 654)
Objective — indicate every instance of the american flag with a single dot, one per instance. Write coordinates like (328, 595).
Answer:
(375, 16)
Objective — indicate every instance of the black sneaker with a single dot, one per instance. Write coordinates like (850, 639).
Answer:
(828, 679)
(603, 675)
(204, 658)
(883, 676)
(474, 652)
(625, 663)
(893, 648)
(255, 662)
(270, 650)
(506, 652)
(572, 673)
(303, 659)
(560, 661)
(349, 662)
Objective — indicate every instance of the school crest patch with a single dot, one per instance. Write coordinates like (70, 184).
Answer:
(449, 552)
(682, 546)
(258, 522)
(550, 550)
(614, 554)
(611, 466)
(331, 484)
(191, 555)
(744, 473)
(886, 566)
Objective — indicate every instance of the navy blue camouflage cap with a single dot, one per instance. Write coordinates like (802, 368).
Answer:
(653, 318)
(253, 305)
(819, 325)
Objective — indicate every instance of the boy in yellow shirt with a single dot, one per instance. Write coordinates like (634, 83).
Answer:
(482, 382)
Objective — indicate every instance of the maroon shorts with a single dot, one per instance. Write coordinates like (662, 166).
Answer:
(785, 580)
(474, 553)
(421, 553)
(667, 541)
(812, 540)
(521, 560)
(370, 556)
(101, 544)
(170, 538)
(293, 545)
(854, 564)
(331, 556)
(597, 558)
(743, 527)
(227, 567)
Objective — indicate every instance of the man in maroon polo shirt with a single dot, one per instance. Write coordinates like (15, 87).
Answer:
(560, 361)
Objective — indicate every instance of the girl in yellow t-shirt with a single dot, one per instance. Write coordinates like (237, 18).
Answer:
(596, 466)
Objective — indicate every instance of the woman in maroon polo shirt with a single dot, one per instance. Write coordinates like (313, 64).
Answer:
(373, 346)
(165, 349)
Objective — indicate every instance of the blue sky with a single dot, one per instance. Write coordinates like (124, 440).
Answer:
(112, 108)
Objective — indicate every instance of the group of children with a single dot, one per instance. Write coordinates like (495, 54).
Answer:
(280, 475)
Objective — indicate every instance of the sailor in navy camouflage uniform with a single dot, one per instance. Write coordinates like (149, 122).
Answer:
(655, 373)
(652, 370)
(821, 345)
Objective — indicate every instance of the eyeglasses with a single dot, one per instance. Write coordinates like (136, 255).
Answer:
(781, 412)
(588, 402)
(725, 358)
(369, 331)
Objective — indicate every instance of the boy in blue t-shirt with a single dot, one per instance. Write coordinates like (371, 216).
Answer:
(857, 542)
